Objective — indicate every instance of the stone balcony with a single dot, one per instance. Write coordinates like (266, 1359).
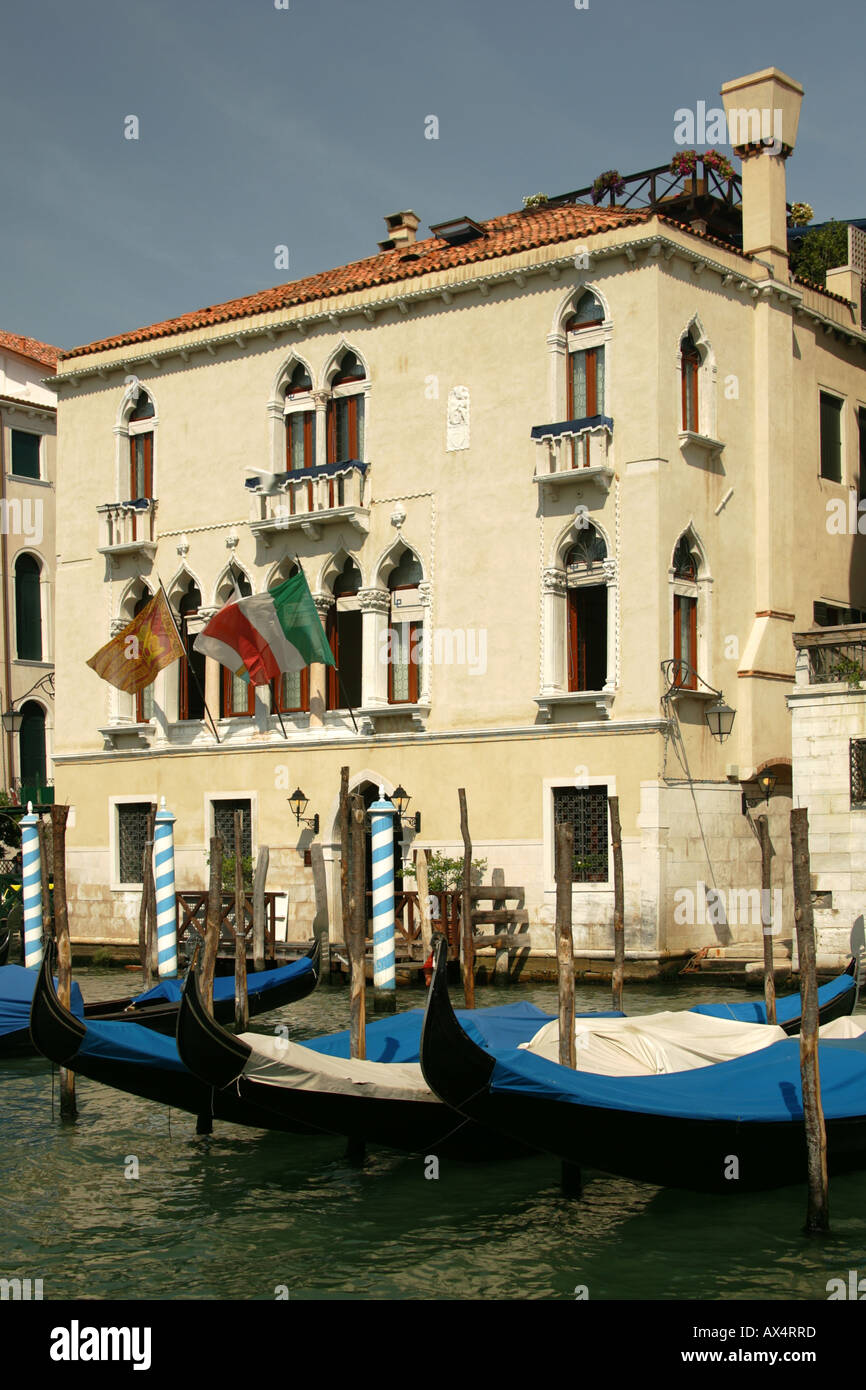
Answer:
(128, 528)
(575, 451)
(310, 499)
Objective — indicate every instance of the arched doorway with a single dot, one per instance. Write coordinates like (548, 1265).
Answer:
(31, 745)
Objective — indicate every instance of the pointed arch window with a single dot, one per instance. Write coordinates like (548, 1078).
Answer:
(587, 615)
(291, 693)
(140, 426)
(237, 696)
(406, 632)
(28, 608)
(346, 411)
(686, 565)
(690, 368)
(585, 379)
(343, 629)
(300, 421)
(143, 698)
(191, 665)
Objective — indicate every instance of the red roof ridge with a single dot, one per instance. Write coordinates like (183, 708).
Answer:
(504, 235)
(31, 348)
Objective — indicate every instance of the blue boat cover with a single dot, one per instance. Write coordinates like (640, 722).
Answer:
(259, 984)
(764, 1086)
(395, 1039)
(132, 1043)
(787, 1008)
(16, 995)
(398, 1039)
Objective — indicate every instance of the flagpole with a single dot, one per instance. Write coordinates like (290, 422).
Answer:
(189, 664)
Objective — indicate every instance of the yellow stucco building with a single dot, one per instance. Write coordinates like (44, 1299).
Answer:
(522, 463)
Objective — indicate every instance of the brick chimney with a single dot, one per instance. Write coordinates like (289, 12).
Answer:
(763, 111)
(402, 227)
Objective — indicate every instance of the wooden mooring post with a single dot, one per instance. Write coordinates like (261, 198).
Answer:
(345, 859)
(818, 1207)
(467, 953)
(570, 1175)
(564, 870)
(356, 929)
(204, 1121)
(47, 917)
(242, 1008)
(260, 878)
(59, 815)
(767, 923)
(618, 904)
(423, 887)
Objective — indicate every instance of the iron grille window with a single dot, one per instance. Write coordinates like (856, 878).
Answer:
(224, 825)
(585, 810)
(858, 773)
(131, 835)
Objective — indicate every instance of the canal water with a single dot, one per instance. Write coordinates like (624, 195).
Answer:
(257, 1215)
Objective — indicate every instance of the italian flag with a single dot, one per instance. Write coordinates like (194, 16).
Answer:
(259, 638)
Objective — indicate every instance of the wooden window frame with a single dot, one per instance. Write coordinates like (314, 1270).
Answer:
(21, 625)
(228, 709)
(577, 641)
(839, 403)
(33, 434)
(414, 625)
(276, 695)
(690, 367)
(147, 438)
(351, 404)
(683, 681)
(309, 425)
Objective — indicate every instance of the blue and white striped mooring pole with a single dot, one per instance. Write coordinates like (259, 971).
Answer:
(31, 889)
(166, 906)
(382, 813)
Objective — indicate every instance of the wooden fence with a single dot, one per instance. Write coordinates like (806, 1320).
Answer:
(192, 916)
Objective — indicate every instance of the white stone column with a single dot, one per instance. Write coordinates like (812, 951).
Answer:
(318, 671)
(554, 664)
(320, 399)
(375, 609)
(425, 593)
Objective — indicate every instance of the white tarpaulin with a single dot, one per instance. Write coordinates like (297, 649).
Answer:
(278, 1062)
(654, 1043)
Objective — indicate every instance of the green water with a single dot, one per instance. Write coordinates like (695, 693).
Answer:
(240, 1213)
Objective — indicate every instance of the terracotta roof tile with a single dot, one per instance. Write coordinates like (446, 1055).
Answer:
(30, 347)
(516, 231)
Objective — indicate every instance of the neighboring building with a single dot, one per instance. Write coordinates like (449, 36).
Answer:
(28, 410)
(828, 717)
(522, 462)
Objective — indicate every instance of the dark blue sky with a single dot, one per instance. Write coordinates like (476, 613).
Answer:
(305, 126)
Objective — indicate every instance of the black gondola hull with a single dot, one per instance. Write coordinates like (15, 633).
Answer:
(669, 1151)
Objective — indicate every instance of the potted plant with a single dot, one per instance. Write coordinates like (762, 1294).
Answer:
(608, 182)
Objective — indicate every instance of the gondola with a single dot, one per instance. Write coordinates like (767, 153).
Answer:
(133, 1059)
(141, 1062)
(157, 1008)
(733, 1126)
(378, 1102)
(836, 999)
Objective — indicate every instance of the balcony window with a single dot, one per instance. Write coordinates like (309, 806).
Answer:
(406, 630)
(685, 599)
(300, 423)
(690, 366)
(31, 744)
(343, 628)
(191, 665)
(346, 412)
(143, 698)
(587, 614)
(141, 447)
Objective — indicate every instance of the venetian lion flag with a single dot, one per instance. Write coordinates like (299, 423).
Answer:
(260, 637)
(132, 659)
